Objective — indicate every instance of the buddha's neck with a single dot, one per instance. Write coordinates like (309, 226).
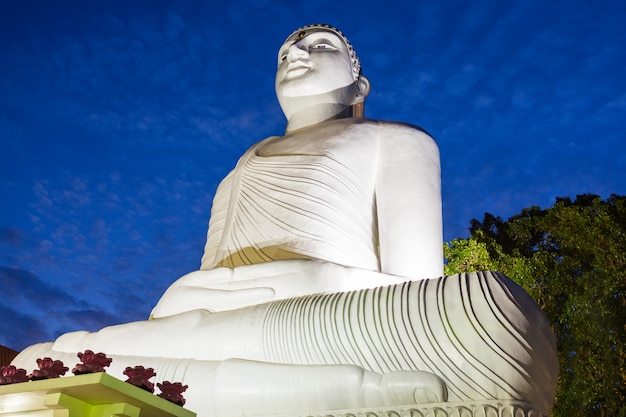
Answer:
(319, 113)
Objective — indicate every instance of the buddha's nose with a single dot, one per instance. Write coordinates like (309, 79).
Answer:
(296, 52)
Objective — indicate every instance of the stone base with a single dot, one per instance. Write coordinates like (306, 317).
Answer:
(495, 408)
(93, 395)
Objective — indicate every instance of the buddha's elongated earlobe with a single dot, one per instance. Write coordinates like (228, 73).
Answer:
(364, 87)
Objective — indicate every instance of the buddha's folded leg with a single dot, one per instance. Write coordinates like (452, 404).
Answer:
(480, 332)
(246, 388)
(238, 387)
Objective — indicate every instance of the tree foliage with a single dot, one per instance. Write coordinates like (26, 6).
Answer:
(571, 258)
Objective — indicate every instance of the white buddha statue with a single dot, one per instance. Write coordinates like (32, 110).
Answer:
(320, 286)
(335, 190)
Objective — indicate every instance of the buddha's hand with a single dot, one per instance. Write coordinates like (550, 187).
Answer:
(181, 299)
(225, 288)
(233, 288)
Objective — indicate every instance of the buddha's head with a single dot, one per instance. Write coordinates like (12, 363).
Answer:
(317, 66)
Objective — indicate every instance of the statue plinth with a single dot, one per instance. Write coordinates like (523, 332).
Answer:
(95, 395)
(493, 408)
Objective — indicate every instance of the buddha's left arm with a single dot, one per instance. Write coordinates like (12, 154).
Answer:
(408, 202)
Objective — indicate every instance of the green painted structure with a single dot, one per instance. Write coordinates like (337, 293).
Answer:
(90, 395)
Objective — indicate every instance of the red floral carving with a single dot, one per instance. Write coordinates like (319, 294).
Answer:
(12, 375)
(171, 391)
(48, 368)
(91, 363)
(139, 376)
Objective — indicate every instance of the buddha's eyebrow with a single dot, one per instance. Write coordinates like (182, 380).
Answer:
(323, 40)
(324, 36)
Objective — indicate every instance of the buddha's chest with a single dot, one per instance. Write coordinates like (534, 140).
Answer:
(349, 150)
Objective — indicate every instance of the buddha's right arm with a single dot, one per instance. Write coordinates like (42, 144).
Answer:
(408, 202)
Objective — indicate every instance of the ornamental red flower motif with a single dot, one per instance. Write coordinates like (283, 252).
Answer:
(171, 391)
(11, 375)
(91, 362)
(139, 376)
(48, 368)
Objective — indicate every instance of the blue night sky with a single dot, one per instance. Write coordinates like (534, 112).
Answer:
(118, 120)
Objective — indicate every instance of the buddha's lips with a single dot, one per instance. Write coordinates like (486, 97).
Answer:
(298, 67)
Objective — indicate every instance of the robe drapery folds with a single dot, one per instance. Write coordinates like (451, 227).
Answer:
(304, 203)
(362, 194)
(274, 212)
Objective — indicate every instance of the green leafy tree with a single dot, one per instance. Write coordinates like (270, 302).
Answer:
(571, 258)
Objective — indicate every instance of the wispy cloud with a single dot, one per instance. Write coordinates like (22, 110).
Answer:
(33, 310)
(19, 330)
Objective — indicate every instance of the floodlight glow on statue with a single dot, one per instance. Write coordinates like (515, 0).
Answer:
(314, 290)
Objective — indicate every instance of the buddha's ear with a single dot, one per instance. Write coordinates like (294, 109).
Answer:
(363, 85)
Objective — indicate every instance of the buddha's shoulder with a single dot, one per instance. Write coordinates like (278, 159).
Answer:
(400, 133)
(403, 128)
(372, 127)
(343, 133)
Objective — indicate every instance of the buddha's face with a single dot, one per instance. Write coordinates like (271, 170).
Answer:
(315, 62)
